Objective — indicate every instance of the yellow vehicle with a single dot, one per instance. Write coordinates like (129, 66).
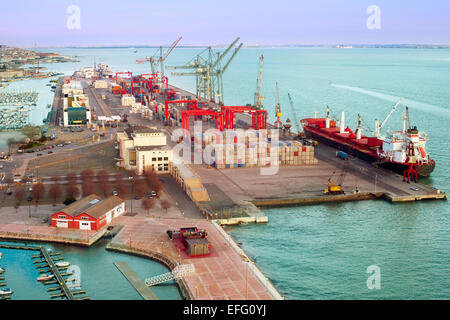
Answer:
(335, 188)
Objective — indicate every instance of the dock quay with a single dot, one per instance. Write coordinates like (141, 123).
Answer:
(57, 106)
(222, 275)
(134, 280)
(40, 233)
(293, 186)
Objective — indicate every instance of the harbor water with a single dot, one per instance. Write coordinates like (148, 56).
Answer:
(323, 251)
(99, 277)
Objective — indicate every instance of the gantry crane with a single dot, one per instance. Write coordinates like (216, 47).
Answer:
(159, 58)
(208, 70)
(278, 124)
(258, 93)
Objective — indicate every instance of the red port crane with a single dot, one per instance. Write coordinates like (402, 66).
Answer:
(192, 104)
(259, 117)
(218, 117)
(130, 74)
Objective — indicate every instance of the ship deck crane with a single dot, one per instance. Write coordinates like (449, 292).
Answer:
(378, 126)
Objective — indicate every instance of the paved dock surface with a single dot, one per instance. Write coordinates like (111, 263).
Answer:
(220, 276)
(134, 280)
(309, 181)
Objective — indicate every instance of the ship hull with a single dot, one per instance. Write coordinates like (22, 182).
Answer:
(422, 170)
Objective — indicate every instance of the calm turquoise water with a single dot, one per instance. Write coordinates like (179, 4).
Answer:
(323, 251)
(99, 276)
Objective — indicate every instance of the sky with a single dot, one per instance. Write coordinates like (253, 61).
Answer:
(25, 23)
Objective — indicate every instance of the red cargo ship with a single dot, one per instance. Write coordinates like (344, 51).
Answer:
(402, 151)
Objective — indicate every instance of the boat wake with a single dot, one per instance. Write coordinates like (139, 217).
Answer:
(410, 103)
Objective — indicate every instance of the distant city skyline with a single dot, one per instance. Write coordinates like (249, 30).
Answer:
(48, 23)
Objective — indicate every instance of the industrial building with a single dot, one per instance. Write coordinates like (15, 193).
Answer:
(89, 213)
(143, 149)
(77, 110)
(12, 73)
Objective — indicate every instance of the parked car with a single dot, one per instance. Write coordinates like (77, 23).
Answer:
(49, 152)
(39, 154)
(115, 193)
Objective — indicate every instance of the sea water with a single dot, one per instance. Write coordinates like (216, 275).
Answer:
(323, 251)
(95, 269)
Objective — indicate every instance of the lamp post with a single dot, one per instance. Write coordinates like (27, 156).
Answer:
(132, 193)
(29, 207)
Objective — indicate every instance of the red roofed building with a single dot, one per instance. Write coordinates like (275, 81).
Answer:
(89, 213)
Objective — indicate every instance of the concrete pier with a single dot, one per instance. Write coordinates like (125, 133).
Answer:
(224, 274)
(134, 280)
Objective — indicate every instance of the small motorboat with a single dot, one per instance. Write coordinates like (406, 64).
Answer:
(1, 254)
(62, 264)
(2, 270)
(44, 277)
(5, 291)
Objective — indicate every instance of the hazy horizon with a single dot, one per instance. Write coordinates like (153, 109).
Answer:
(48, 23)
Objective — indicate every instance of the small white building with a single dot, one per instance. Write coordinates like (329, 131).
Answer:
(144, 149)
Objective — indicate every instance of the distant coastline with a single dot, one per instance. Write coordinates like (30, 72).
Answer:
(340, 45)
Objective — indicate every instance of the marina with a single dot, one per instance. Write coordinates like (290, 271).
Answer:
(93, 273)
(25, 98)
(14, 117)
(53, 270)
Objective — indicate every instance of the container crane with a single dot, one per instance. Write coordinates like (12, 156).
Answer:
(159, 59)
(294, 115)
(278, 124)
(258, 93)
(208, 70)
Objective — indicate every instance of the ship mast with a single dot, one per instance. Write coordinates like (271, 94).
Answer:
(327, 121)
(358, 130)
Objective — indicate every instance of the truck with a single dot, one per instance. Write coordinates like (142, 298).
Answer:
(342, 155)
